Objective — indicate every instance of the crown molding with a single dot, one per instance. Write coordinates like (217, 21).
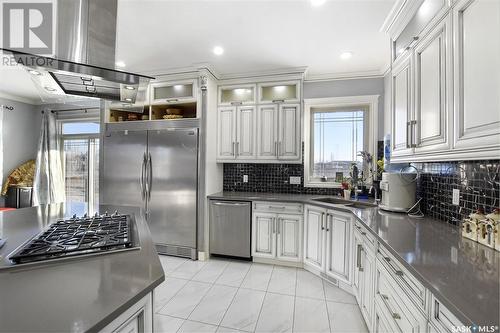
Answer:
(343, 76)
(399, 16)
(20, 99)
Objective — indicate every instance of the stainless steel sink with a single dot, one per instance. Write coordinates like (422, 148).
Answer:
(332, 200)
(347, 203)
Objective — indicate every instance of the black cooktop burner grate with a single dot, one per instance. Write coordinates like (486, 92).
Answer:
(77, 236)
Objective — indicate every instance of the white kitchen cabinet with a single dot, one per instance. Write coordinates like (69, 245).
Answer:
(401, 108)
(476, 76)
(267, 132)
(279, 92)
(173, 92)
(264, 235)
(314, 237)
(245, 132)
(289, 143)
(241, 94)
(338, 240)
(236, 133)
(277, 231)
(226, 132)
(327, 242)
(433, 92)
(288, 237)
(441, 319)
(137, 318)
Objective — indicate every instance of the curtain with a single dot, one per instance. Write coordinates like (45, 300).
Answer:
(48, 185)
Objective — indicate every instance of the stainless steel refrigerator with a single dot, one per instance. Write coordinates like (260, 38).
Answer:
(156, 169)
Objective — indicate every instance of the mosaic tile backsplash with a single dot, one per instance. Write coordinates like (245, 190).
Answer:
(478, 182)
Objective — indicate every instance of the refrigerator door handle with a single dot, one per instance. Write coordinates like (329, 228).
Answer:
(150, 176)
(143, 182)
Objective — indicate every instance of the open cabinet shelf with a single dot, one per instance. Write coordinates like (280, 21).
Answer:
(164, 112)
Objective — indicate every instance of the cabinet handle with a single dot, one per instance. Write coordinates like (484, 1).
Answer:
(413, 133)
(358, 257)
(236, 103)
(363, 233)
(279, 148)
(396, 271)
(278, 100)
(393, 314)
(277, 207)
(172, 100)
(328, 222)
(322, 221)
(279, 226)
(237, 149)
(411, 43)
(274, 225)
(408, 134)
(276, 148)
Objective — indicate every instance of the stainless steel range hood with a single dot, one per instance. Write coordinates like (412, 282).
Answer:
(84, 60)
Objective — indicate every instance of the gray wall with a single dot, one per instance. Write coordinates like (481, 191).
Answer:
(20, 131)
(350, 87)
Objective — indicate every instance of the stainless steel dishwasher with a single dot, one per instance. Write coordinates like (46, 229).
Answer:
(230, 228)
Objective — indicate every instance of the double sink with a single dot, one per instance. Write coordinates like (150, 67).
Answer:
(347, 203)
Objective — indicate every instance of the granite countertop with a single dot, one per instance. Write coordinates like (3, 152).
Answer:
(462, 274)
(71, 295)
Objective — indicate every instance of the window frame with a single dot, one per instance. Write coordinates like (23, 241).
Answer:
(368, 102)
(90, 199)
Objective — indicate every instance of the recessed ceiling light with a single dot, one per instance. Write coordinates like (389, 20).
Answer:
(120, 64)
(32, 71)
(218, 50)
(129, 88)
(346, 55)
(317, 3)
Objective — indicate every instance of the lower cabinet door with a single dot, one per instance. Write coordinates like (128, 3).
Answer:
(289, 237)
(357, 277)
(314, 237)
(368, 280)
(264, 235)
(338, 242)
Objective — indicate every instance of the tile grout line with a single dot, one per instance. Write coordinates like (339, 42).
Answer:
(326, 305)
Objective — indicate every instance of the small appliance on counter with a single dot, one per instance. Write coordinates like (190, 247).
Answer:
(398, 191)
(470, 225)
(483, 229)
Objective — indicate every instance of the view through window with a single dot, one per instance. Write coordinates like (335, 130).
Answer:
(80, 142)
(337, 135)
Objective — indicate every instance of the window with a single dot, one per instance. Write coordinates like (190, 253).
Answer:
(336, 130)
(80, 145)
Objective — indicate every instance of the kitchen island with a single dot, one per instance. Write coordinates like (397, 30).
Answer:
(78, 294)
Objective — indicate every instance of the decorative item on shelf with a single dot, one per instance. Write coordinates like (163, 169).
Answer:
(132, 117)
(173, 111)
(470, 225)
(120, 118)
(172, 116)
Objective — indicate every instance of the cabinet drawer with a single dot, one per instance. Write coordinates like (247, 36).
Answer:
(441, 318)
(277, 207)
(368, 238)
(400, 311)
(410, 285)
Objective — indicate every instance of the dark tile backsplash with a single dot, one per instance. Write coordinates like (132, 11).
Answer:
(478, 182)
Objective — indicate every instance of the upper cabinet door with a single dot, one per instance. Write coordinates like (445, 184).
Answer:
(289, 142)
(289, 237)
(338, 244)
(226, 133)
(173, 92)
(267, 132)
(476, 74)
(245, 136)
(401, 108)
(279, 92)
(433, 91)
(237, 95)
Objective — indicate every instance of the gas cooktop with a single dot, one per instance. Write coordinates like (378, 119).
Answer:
(78, 236)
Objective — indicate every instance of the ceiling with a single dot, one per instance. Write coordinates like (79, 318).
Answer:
(156, 36)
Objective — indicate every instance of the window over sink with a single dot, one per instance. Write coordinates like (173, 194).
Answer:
(336, 130)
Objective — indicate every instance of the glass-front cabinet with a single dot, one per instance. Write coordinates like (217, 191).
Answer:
(173, 92)
(237, 95)
(279, 92)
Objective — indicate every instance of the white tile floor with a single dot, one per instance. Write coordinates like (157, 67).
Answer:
(233, 296)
